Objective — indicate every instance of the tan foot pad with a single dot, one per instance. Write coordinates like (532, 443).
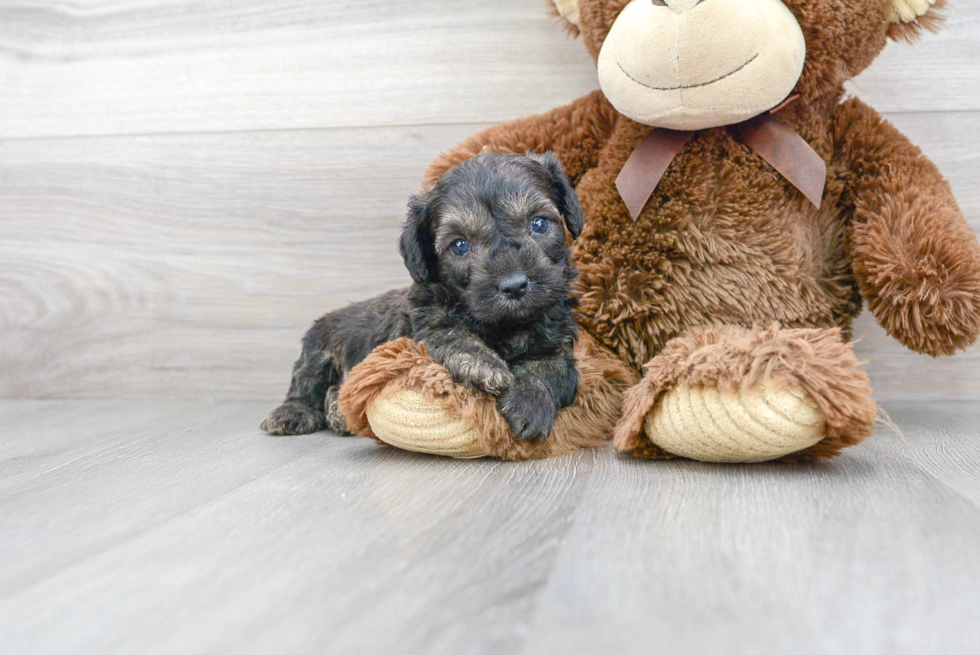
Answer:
(724, 393)
(743, 425)
(400, 397)
(408, 421)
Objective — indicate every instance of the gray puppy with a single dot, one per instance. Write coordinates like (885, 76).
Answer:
(491, 298)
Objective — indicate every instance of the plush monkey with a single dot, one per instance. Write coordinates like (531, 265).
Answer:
(737, 211)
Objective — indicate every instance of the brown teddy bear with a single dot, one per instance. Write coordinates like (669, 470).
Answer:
(737, 212)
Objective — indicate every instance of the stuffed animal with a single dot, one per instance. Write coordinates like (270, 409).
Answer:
(737, 210)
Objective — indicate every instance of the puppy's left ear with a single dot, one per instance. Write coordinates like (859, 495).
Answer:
(562, 192)
(415, 243)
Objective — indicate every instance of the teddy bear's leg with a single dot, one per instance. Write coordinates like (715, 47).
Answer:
(728, 394)
(401, 397)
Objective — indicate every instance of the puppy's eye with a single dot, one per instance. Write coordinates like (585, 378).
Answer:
(539, 225)
(460, 247)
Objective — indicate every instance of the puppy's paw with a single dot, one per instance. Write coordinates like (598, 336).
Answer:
(292, 418)
(530, 412)
(333, 419)
(484, 374)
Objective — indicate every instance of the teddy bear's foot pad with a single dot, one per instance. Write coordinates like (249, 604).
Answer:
(754, 424)
(406, 420)
(724, 393)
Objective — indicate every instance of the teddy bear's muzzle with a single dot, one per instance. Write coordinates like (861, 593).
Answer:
(667, 65)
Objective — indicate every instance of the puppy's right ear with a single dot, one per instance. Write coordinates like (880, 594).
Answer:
(415, 244)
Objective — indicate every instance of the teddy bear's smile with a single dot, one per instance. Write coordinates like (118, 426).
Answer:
(689, 86)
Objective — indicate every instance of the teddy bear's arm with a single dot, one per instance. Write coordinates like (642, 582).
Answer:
(915, 258)
(575, 132)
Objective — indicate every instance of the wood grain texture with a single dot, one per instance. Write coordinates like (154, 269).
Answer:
(942, 443)
(936, 74)
(869, 553)
(178, 527)
(192, 264)
(163, 66)
(200, 534)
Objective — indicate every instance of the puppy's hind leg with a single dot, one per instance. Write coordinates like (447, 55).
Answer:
(335, 420)
(314, 373)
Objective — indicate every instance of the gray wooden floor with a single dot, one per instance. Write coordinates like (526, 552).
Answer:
(132, 526)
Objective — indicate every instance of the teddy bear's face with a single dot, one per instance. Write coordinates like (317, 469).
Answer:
(694, 64)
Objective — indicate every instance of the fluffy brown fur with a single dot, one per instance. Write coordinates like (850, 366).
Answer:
(730, 358)
(726, 240)
(913, 255)
(402, 364)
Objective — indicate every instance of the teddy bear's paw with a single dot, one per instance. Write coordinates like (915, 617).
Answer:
(929, 318)
(753, 424)
(406, 420)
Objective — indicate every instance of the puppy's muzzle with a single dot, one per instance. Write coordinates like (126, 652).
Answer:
(514, 286)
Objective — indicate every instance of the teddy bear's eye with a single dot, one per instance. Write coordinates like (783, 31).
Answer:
(539, 225)
(460, 247)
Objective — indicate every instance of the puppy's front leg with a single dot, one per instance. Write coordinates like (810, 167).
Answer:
(471, 362)
(541, 387)
(467, 358)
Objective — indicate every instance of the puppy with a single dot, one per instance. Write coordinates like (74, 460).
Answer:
(491, 298)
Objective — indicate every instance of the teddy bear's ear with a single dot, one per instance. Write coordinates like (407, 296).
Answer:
(567, 12)
(910, 17)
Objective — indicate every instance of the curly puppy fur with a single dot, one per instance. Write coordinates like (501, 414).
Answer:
(491, 298)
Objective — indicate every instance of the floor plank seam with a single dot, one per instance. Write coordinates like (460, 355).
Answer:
(914, 463)
(379, 126)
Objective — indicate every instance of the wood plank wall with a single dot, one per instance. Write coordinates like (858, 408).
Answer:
(185, 186)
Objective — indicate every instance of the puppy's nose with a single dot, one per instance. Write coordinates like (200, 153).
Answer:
(514, 286)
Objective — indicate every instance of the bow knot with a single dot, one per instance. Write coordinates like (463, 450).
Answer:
(774, 141)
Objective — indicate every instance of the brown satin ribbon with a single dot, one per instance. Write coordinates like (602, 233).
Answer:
(773, 140)
(642, 172)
